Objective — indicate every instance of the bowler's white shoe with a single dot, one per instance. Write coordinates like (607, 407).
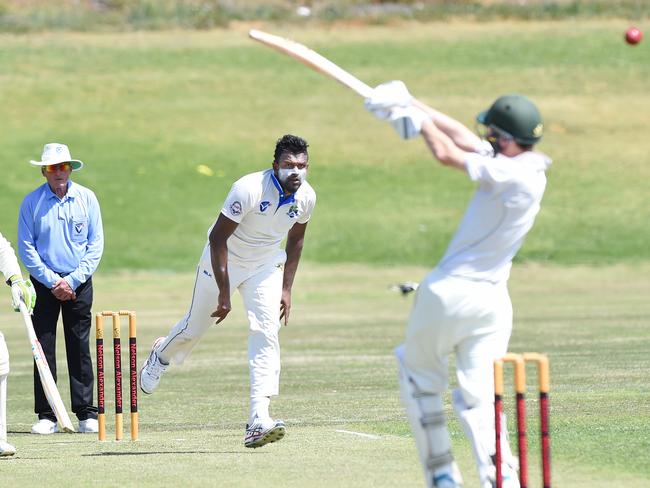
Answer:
(6, 449)
(448, 477)
(152, 369)
(88, 426)
(262, 432)
(45, 427)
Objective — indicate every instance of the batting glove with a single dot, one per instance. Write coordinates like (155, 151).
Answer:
(22, 289)
(408, 121)
(386, 97)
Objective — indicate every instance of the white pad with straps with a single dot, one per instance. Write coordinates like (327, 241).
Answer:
(3, 407)
(4, 372)
(478, 425)
(426, 415)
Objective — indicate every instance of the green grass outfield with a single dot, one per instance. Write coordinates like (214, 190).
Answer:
(144, 110)
(339, 375)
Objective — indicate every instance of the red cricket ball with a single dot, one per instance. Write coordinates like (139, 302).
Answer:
(633, 35)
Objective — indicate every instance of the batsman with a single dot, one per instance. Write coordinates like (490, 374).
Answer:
(462, 307)
(20, 290)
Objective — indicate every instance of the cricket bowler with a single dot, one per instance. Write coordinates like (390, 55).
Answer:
(243, 252)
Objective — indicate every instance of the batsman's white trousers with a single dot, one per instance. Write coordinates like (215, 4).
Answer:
(4, 372)
(470, 319)
(261, 291)
(4, 356)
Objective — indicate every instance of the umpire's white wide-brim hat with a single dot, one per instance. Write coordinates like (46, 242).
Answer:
(55, 153)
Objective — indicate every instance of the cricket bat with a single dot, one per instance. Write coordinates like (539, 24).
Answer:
(312, 59)
(49, 386)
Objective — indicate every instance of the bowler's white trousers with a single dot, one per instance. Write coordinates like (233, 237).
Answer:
(472, 320)
(261, 291)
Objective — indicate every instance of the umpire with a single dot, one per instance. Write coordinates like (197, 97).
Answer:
(60, 241)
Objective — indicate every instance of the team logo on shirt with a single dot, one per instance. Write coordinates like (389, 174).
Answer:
(293, 211)
(235, 208)
(264, 206)
(79, 230)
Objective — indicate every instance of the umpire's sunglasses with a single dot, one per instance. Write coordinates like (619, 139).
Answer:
(53, 168)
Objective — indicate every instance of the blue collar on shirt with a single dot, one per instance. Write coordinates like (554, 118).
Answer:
(283, 198)
(70, 193)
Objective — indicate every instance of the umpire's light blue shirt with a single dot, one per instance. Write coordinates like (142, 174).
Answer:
(60, 236)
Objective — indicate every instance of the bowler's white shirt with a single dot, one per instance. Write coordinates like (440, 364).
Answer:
(265, 215)
(499, 215)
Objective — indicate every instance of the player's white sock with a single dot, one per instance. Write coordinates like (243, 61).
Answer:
(164, 352)
(259, 408)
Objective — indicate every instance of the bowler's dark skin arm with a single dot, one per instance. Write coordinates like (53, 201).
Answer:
(222, 230)
(295, 242)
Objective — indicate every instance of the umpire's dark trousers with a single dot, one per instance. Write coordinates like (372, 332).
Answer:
(77, 321)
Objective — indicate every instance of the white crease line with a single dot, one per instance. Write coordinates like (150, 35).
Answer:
(360, 434)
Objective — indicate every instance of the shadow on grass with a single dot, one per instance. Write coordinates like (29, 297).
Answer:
(149, 453)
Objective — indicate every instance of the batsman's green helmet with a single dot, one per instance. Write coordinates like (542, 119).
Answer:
(516, 115)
